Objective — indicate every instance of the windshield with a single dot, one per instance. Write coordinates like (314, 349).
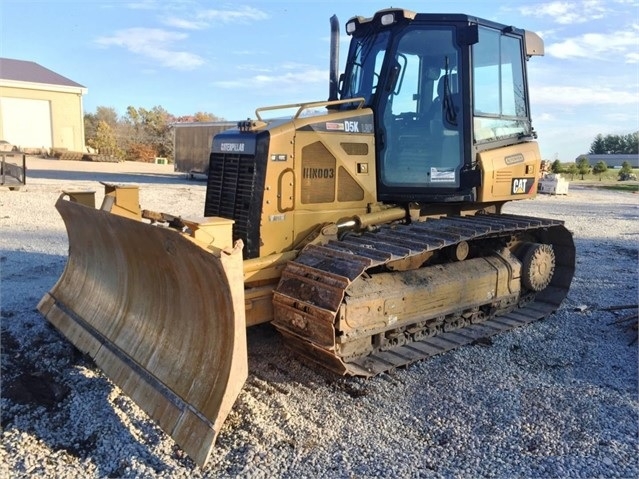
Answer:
(410, 75)
(364, 64)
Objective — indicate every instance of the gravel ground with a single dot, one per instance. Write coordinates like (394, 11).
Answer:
(555, 399)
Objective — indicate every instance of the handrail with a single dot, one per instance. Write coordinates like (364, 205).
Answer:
(305, 106)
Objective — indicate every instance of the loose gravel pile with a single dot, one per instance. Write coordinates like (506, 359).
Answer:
(555, 399)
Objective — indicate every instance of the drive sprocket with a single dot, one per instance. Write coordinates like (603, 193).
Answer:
(538, 266)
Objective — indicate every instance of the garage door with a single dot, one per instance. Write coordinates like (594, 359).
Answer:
(26, 123)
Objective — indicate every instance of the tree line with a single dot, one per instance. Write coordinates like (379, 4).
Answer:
(615, 144)
(583, 167)
(138, 135)
(602, 145)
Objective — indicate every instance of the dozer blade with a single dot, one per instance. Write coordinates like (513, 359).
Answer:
(163, 317)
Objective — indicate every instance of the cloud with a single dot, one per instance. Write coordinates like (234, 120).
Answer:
(156, 44)
(254, 68)
(598, 45)
(142, 5)
(567, 12)
(184, 24)
(286, 76)
(211, 17)
(632, 57)
(619, 118)
(294, 78)
(240, 15)
(545, 116)
(577, 96)
(250, 52)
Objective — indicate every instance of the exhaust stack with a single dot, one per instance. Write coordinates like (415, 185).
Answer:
(334, 60)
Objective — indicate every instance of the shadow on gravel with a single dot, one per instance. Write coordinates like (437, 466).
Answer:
(141, 178)
(74, 411)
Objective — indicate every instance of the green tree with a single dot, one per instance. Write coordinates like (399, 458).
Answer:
(556, 167)
(583, 166)
(625, 172)
(631, 143)
(598, 147)
(615, 144)
(104, 114)
(626, 167)
(600, 168)
(108, 115)
(201, 116)
(149, 132)
(572, 170)
(104, 140)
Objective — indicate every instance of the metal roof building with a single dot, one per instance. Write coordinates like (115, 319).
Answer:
(192, 144)
(39, 108)
(612, 160)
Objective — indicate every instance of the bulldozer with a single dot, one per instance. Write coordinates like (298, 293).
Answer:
(366, 228)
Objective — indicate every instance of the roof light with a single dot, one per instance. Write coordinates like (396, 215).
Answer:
(350, 27)
(388, 19)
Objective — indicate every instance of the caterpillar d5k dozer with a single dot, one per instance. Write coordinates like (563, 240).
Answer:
(369, 225)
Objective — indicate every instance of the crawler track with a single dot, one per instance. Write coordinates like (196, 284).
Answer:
(314, 289)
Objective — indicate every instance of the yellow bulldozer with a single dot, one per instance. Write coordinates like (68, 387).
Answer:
(367, 228)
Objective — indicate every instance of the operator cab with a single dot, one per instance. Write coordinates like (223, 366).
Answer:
(442, 88)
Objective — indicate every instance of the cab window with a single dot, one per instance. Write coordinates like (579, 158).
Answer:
(500, 109)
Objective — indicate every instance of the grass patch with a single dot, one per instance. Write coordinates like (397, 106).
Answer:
(622, 187)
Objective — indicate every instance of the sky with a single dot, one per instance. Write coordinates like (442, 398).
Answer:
(229, 58)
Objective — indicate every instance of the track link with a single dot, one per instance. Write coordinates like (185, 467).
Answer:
(315, 285)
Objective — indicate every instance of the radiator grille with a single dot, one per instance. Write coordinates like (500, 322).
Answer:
(235, 190)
